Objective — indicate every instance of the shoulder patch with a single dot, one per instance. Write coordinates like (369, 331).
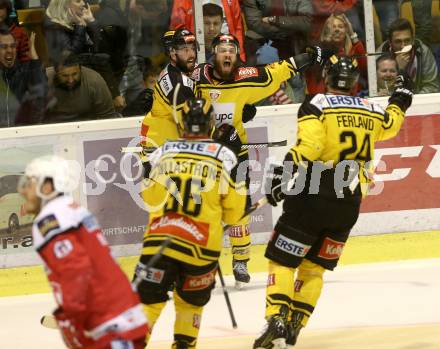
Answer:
(48, 224)
(90, 223)
(228, 158)
(165, 84)
(188, 82)
(246, 72)
(196, 74)
(312, 106)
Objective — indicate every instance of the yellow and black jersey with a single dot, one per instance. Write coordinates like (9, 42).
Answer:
(334, 128)
(188, 194)
(250, 85)
(159, 124)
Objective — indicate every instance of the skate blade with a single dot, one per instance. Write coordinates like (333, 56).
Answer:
(239, 285)
(279, 343)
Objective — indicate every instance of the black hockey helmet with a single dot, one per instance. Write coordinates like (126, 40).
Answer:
(167, 40)
(342, 72)
(182, 37)
(225, 38)
(197, 117)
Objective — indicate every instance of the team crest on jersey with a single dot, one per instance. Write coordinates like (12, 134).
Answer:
(214, 94)
(47, 224)
(62, 248)
(246, 72)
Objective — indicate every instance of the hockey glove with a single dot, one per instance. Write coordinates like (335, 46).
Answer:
(274, 185)
(249, 112)
(72, 330)
(227, 135)
(314, 55)
(403, 94)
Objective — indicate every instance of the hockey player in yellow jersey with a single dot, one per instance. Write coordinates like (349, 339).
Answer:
(189, 193)
(159, 124)
(333, 153)
(230, 86)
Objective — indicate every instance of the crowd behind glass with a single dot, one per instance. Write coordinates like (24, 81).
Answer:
(67, 60)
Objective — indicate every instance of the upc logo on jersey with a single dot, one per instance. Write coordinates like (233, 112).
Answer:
(224, 113)
(292, 247)
(246, 72)
(331, 249)
(198, 282)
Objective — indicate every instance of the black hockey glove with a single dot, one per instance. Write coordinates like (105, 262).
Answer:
(403, 94)
(147, 169)
(274, 185)
(314, 55)
(249, 112)
(227, 135)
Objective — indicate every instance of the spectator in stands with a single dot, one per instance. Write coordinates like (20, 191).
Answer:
(386, 70)
(212, 26)
(142, 104)
(70, 25)
(24, 89)
(419, 64)
(80, 93)
(324, 8)
(21, 38)
(286, 23)
(182, 17)
(419, 14)
(387, 12)
(338, 34)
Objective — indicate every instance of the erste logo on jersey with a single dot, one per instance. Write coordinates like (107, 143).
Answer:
(246, 72)
(224, 113)
(202, 148)
(165, 84)
(290, 246)
(331, 249)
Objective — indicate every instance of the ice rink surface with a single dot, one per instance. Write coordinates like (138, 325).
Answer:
(393, 305)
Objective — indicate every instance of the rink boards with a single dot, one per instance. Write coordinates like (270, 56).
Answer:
(109, 183)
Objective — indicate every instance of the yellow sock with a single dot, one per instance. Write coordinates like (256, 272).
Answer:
(152, 312)
(279, 289)
(240, 239)
(308, 286)
(188, 320)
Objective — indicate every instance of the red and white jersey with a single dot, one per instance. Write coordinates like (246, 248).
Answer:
(88, 284)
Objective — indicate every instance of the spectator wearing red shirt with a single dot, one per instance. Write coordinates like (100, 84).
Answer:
(20, 36)
(182, 16)
(339, 34)
(324, 8)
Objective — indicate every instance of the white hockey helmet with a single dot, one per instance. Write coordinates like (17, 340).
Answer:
(64, 174)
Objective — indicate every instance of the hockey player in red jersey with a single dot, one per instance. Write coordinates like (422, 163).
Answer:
(97, 308)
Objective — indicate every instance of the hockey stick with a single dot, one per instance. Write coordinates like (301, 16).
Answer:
(226, 294)
(405, 49)
(141, 149)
